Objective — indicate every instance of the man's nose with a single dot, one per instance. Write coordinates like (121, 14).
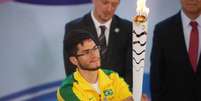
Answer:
(110, 8)
(93, 53)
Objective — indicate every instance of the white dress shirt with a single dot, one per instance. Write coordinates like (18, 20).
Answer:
(187, 30)
(98, 24)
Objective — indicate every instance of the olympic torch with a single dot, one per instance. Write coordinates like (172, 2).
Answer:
(139, 45)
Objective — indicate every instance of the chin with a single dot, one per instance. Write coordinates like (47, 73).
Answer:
(93, 68)
(95, 65)
(106, 18)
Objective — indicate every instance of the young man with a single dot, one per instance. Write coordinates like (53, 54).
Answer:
(115, 37)
(89, 82)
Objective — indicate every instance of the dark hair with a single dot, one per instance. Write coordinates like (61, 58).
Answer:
(75, 37)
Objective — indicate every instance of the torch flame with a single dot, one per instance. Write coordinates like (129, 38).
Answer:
(141, 8)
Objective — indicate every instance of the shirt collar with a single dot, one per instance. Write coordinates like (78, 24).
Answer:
(186, 20)
(198, 19)
(97, 24)
(103, 80)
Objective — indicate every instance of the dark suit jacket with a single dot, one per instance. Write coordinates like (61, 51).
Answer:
(172, 77)
(119, 52)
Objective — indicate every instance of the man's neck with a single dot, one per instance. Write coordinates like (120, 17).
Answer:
(192, 16)
(97, 20)
(89, 76)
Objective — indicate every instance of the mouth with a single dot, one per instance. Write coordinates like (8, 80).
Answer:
(94, 60)
(108, 14)
(192, 3)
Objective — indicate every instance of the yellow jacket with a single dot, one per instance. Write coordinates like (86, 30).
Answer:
(76, 88)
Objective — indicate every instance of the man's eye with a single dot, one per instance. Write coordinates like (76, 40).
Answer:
(104, 2)
(94, 48)
(86, 52)
(114, 4)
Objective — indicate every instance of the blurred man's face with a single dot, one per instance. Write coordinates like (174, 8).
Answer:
(87, 57)
(191, 6)
(105, 9)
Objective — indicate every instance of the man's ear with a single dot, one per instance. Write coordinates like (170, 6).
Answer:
(73, 60)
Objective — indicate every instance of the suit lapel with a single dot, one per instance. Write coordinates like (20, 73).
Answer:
(89, 24)
(113, 33)
(181, 40)
(199, 65)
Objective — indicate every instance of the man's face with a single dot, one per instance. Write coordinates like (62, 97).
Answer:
(87, 57)
(191, 6)
(105, 9)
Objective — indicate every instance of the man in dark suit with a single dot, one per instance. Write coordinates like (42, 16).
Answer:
(117, 37)
(175, 58)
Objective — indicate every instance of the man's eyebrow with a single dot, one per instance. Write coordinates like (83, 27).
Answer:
(89, 49)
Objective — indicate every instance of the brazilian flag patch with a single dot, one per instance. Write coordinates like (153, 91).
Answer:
(108, 92)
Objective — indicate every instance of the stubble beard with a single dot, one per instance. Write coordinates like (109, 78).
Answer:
(84, 67)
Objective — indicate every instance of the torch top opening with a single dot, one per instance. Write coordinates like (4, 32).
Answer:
(140, 18)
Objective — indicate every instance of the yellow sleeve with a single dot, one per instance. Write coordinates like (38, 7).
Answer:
(121, 87)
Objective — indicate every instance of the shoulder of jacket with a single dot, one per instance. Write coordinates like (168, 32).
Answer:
(107, 71)
(122, 20)
(66, 89)
(169, 21)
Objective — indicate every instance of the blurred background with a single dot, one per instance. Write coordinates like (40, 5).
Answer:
(31, 37)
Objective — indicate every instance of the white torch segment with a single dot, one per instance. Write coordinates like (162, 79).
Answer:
(139, 45)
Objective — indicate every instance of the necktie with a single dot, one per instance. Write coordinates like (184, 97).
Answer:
(194, 44)
(102, 41)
